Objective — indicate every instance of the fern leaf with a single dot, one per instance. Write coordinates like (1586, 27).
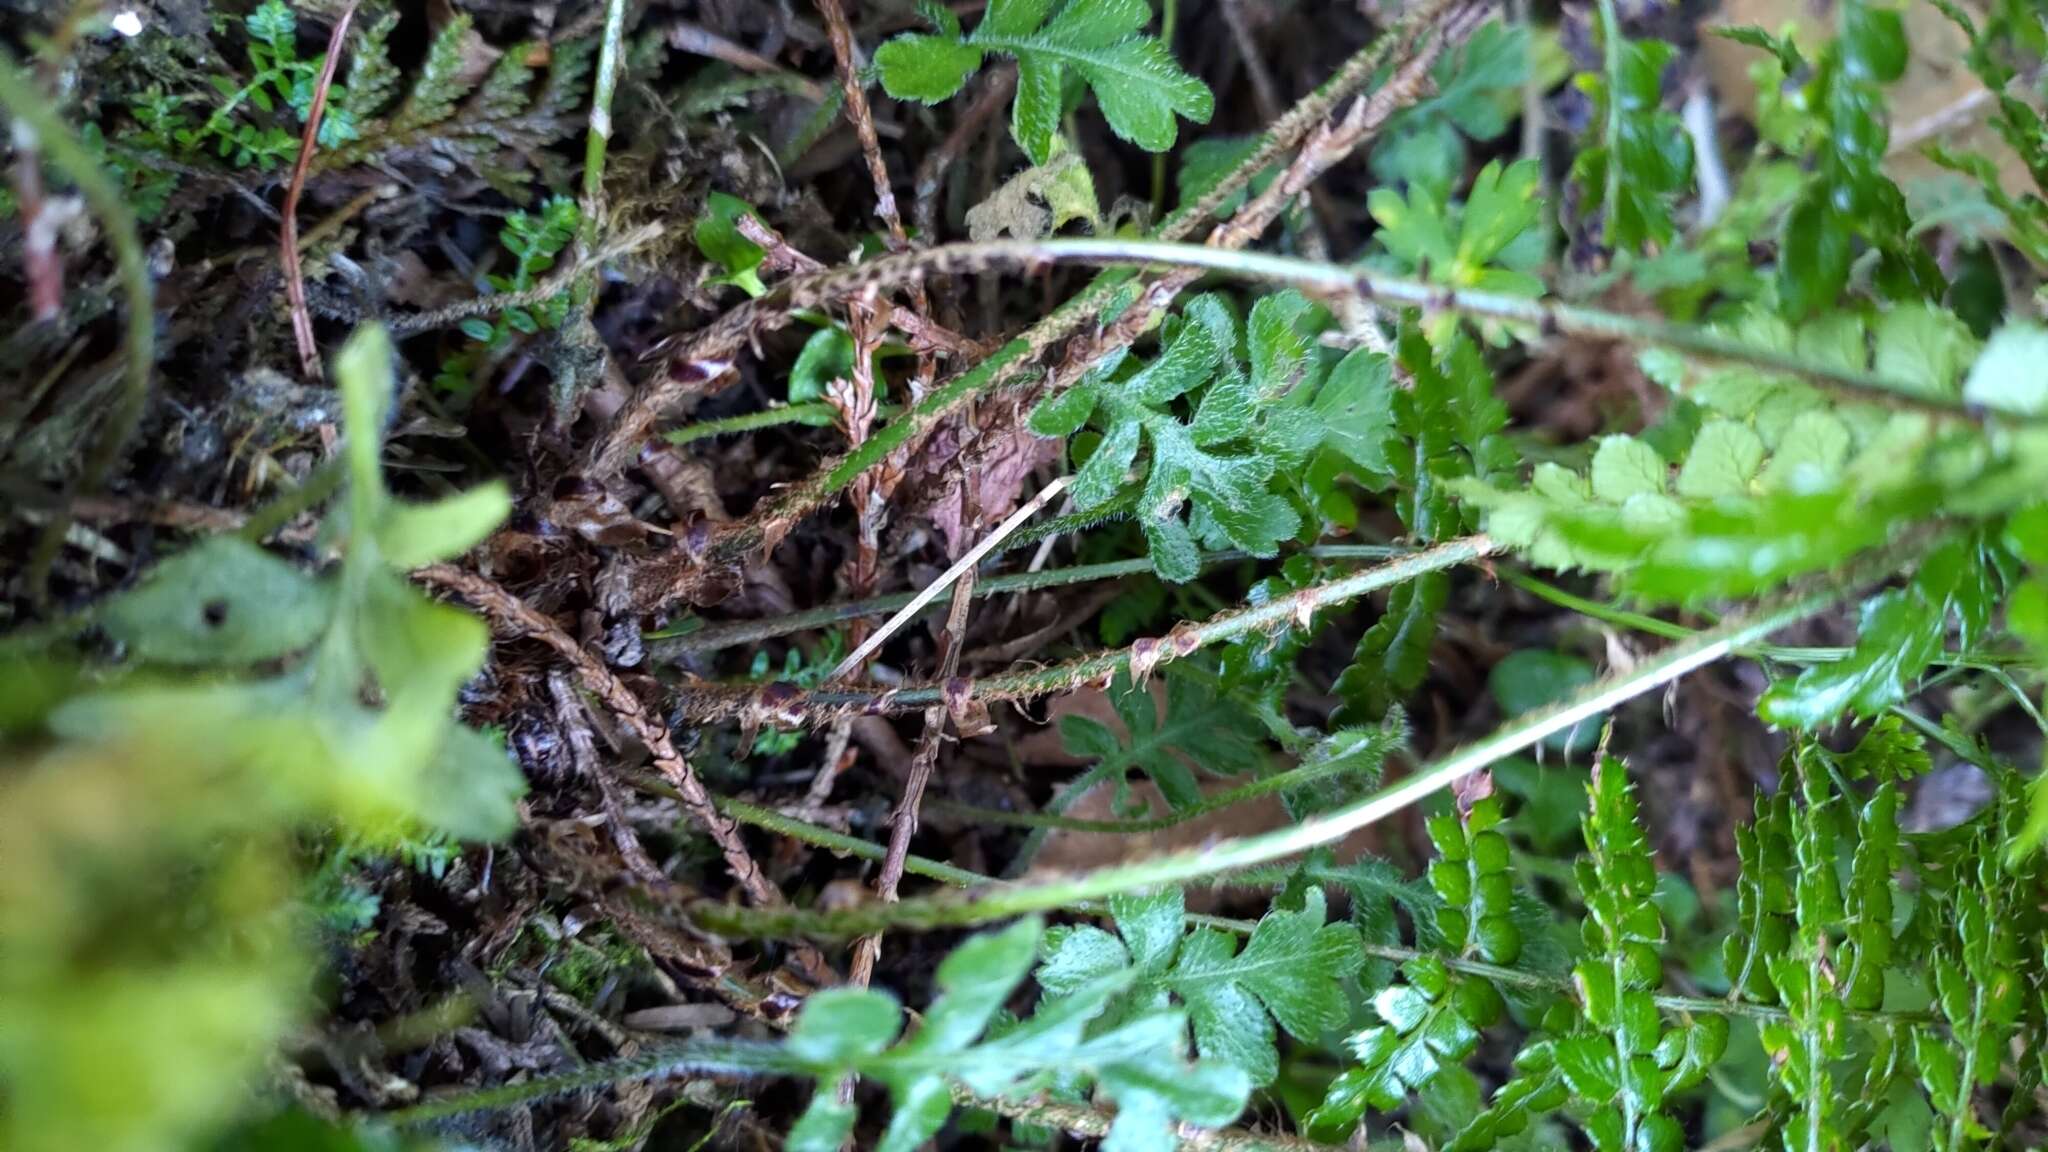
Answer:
(1446, 427)
(1822, 949)
(1624, 1064)
(1433, 1017)
(372, 77)
(440, 85)
(1201, 732)
(1247, 429)
(1643, 160)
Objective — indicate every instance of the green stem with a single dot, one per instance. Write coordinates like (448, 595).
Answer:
(983, 906)
(1169, 21)
(318, 485)
(669, 646)
(610, 60)
(769, 820)
(26, 103)
(1117, 507)
(1560, 984)
(1265, 786)
(719, 703)
(1610, 43)
(817, 414)
(1318, 278)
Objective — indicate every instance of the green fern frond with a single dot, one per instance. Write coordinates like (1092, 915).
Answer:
(1434, 1016)
(1623, 1063)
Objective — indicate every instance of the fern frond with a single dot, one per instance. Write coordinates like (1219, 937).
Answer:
(1434, 1016)
(499, 126)
(1623, 1063)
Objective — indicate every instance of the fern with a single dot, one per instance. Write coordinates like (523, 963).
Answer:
(1137, 83)
(1444, 429)
(1643, 160)
(1433, 1017)
(1848, 198)
(534, 241)
(1780, 480)
(1493, 243)
(1624, 1064)
(1247, 428)
(501, 127)
(1986, 977)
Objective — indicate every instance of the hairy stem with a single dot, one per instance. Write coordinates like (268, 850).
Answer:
(784, 704)
(814, 414)
(1337, 281)
(1559, 983)
(1265, 786)
(983, 906)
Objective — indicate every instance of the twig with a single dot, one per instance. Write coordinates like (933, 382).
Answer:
(863, 120)
(697, 40)
(931, 171)
(961, 567)
(1331, 280)
(925, 334)
(903, 822)
(982, 906)
(22, 100)
(784, 704)
(514, 616)
(555, 282)
(288, 232)
(1094, 1124)
(739, 632)
(41, 264)
(583, 754)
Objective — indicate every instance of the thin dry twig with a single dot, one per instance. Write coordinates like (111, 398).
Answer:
(960, 568)
(863, 120)
(924, 333)
(39, 228)
(684, 36)
(903, 822)
(583, 754)
(288, 232)
(931, 171)
(513, 615)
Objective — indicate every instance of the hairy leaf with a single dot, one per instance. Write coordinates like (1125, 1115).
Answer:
(1292, 971)
(1137, 84)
